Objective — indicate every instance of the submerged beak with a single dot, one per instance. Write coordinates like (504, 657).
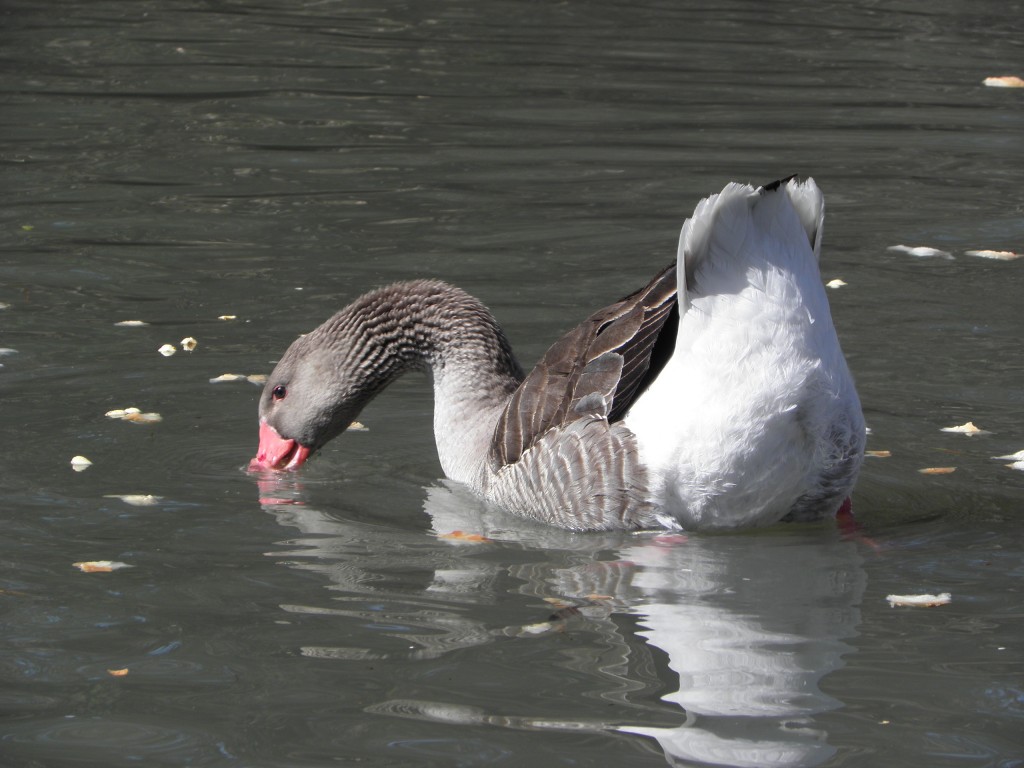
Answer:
(275, 452)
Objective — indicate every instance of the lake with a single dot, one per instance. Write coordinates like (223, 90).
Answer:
(184, 161)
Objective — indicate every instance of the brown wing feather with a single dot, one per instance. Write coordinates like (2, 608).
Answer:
(580, 373)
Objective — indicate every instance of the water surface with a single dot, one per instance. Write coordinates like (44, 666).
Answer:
(174, 162)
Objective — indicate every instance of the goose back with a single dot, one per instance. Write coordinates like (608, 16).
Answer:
(558, 453)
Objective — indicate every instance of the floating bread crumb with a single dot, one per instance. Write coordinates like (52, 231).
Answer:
(167, 350)
(134, 415)
(256, 378)
(135, 499)
(837, 283)
(1018, 456)
(227, 317)
(100, 566)
(967, 429)
(143, 418)
(937, 470)
(131, 323)
(997, 255)
(919, 601)
(117, 672)
(1003, 81)
(879, 454)
(921, 251)
(188, 344)
(80, 463)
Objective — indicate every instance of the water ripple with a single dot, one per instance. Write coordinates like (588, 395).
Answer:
(100, 738)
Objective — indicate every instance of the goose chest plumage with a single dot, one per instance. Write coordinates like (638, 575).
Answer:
(717, 396)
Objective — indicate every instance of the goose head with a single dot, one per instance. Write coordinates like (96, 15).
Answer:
(313, 394)
(327, 377)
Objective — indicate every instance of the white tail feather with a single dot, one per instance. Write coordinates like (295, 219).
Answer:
(809, 204)
(719, 225)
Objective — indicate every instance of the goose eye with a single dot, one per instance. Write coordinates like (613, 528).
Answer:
(279, 392)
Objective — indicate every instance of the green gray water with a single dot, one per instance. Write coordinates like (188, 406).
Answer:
(177, 161)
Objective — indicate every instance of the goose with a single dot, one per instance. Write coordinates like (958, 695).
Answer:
(715, 397)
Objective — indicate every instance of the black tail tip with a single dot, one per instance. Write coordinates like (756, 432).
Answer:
(778, 184)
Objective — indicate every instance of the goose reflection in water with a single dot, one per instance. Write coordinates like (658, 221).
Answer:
(749, 624)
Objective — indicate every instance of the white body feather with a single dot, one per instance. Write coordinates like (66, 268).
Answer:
(758, 397)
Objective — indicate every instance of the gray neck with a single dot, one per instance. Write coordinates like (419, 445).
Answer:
(430, 325)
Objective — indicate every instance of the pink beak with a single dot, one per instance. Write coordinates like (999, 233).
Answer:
(277, 453)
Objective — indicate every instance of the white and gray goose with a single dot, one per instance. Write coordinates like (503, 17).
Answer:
(717, 396)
